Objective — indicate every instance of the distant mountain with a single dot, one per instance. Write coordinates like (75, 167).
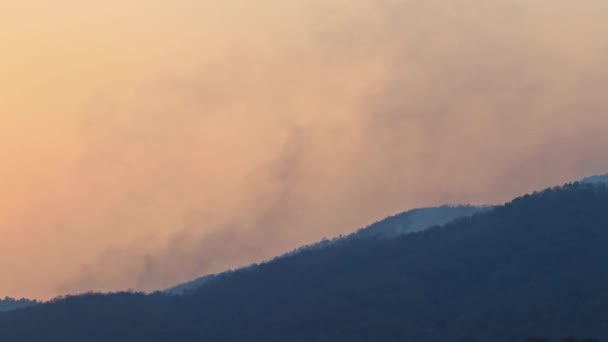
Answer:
(596, 179)
(190, 286)
(9, 304)
(534, 267)
(416, 220)
(391, 227)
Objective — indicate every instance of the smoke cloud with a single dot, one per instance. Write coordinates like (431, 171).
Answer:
(216, 135)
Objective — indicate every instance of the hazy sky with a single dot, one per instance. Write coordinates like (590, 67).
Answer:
(143, 143)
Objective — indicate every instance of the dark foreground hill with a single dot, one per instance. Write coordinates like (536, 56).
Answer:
(536, 266)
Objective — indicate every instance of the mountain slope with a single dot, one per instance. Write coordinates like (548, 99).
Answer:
(391, 227)
(411, 221)
(536, 266)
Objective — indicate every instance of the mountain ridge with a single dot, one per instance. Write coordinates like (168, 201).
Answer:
(406, 222)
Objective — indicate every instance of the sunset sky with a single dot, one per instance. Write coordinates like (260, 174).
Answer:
(145, 143)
